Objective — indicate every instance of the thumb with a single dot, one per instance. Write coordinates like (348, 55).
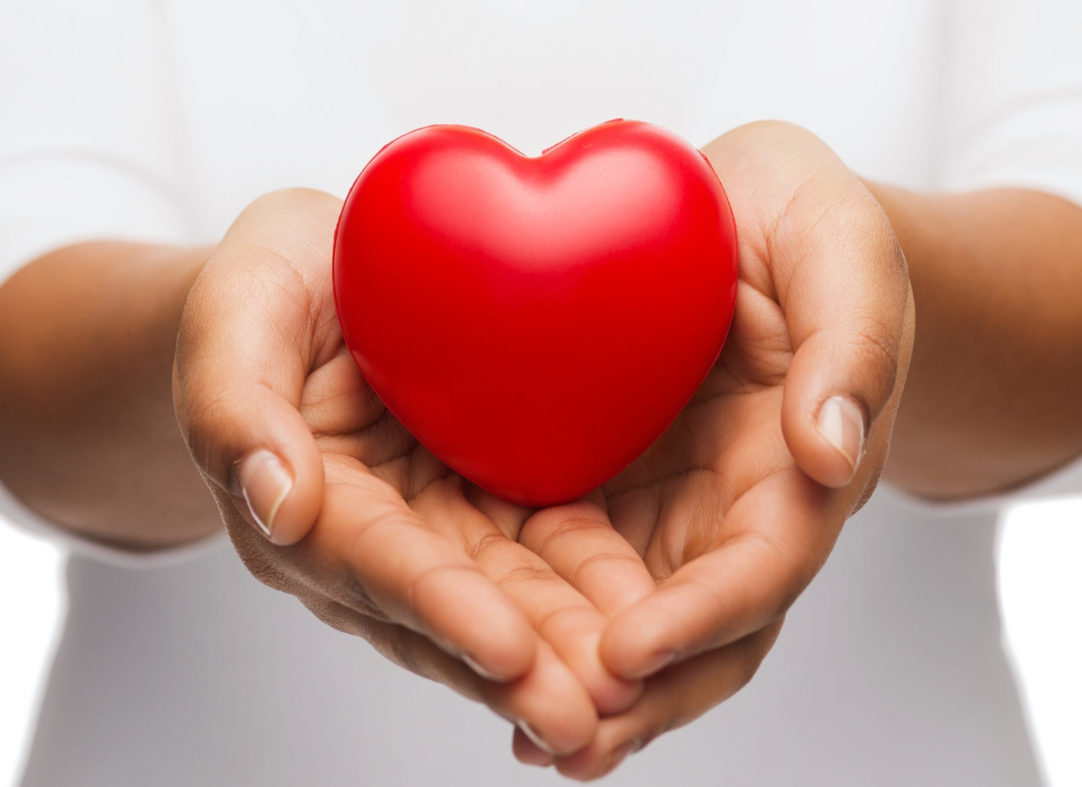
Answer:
(850, 313)
(241, 362)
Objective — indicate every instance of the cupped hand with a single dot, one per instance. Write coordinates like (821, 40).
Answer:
(327, 497)
(697, 550)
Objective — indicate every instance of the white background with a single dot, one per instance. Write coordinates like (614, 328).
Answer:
(1040, 590)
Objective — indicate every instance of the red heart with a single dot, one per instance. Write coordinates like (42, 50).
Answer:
(536, 322)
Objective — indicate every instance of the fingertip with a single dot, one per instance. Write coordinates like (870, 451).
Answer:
(633, 649)
(529, 753)
(553, 708)
(576, 635)
(840, 424)
(280, 496)
(253, 443)
(593, 762)
(469, 617)
(610, 693)
(504, 661)
(508, 659)
(302, 506)
(825, 423)
(827, 439)
(616, 695)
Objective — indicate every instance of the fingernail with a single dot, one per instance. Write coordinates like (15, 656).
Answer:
(264, 484)
(471, 662)
(538, 741)
(841, 422)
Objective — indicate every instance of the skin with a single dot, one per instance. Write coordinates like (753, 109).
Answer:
(726, 524)
(638, 608)
(88, 434)
(992, 398)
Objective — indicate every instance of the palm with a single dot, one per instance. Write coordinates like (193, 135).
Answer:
(699, 547)
(373, 534)
(670, 503)
(708, 488)
(378, 472)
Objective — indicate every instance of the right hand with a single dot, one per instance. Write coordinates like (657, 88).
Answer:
(328, 497)
(700, 546)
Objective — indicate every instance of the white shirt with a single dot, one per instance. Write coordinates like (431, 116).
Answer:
(162, 120)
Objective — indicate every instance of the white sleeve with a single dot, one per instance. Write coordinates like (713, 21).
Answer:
(90, 146)
(90, 142)
(1012, 96)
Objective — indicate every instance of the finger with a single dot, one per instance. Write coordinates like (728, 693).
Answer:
(579, 543)
(561, 615)
(338, 404)
(548, 701)
(672, 698)
(775, 538)
(529, 753)
(843, 286)
(548, 704)
(246, 342)
(371, 552)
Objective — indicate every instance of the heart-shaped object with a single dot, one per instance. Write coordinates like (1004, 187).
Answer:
(536, 322)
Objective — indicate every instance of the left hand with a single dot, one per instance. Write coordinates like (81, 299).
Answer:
(698, 548)
(327, 497)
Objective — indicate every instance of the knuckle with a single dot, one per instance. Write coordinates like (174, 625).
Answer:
(428, 584)
(711, 597)
(573, 615)
(202, 406)
(878, 354)
(524, 575)
(201, 417)
(874, 338)
(550, 525)
(608, 563)
(485, 544)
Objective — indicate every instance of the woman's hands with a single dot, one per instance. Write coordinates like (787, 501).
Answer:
(736, 507)
(676, 573)
(346, 511)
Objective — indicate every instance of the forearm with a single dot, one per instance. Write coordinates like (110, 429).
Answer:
(992, 397)
(88, 436)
